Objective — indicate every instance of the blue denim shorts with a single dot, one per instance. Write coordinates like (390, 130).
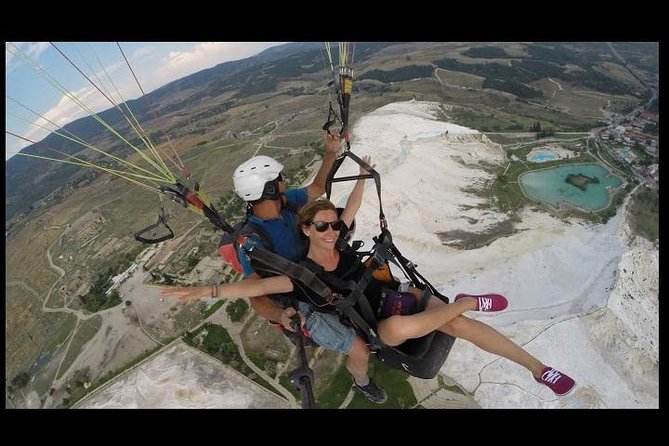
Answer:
(327, 330)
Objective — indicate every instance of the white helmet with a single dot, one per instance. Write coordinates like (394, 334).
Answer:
(250, 177)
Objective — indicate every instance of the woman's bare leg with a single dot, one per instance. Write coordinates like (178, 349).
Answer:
(487, 338)
(448, 319)
(397, 329)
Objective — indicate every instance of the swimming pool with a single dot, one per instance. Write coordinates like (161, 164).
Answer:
(539, 157)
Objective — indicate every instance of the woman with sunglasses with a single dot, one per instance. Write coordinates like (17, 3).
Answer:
(319, 223)
(325, 328)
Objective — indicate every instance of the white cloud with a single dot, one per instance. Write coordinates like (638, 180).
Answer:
(114, 79)
(66, 111)
(36, 49)
(151, 74)
(33, 50)
(178, 64)
(9, 56)
(141, 52)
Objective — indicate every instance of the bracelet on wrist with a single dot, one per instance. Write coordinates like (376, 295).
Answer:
(213, 291)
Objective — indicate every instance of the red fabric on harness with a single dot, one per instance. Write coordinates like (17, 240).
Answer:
(194, 200)
(229, 254)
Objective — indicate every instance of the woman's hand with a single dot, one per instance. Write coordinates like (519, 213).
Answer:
(286, 318)
(368, 160)
(186, 294)
(332, 143)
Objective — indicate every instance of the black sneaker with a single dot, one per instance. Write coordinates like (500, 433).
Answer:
(372, 392)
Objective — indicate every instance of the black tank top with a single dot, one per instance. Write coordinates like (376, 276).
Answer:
(348, 268)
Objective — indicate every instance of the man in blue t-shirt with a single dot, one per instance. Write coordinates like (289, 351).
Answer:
(258, 181)
(281, 230)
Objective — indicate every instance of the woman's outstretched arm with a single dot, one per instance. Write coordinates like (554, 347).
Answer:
(243, 288)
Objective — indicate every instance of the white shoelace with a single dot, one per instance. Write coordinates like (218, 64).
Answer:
(485, 303)
(551, 376)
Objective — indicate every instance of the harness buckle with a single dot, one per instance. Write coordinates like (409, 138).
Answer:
(333, 297)
(246, 243)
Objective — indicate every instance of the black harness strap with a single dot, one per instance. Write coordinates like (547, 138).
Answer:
(302, 377)
(276, 263)
(372, 174)
(354, 294)
(422, 303)
(385, 250)
(162, 220)
(409, 268)
(184, 196)
(346, 307)
(332, 118)
(354, 290)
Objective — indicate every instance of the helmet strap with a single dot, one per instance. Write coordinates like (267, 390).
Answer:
(271, 190)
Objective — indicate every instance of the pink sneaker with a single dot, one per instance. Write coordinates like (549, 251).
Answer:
(487, 302)
(558, 382)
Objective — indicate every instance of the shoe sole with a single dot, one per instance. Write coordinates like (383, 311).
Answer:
(377, 402)
(368, 398)
(568, 391)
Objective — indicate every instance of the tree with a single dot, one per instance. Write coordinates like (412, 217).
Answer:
(270, 367)
(651, 128)
(20, 380)
(237, 310)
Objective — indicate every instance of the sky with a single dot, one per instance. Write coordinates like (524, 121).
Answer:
(36, 75)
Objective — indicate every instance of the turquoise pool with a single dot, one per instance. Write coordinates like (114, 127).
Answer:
(545, 156)
(549, 186)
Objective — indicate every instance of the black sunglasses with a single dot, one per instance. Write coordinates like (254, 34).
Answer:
(322, 226)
